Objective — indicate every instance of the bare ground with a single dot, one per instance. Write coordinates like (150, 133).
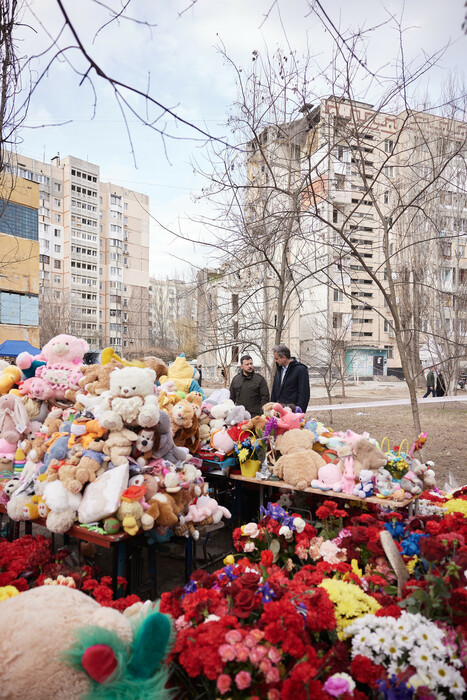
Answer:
(445, 424)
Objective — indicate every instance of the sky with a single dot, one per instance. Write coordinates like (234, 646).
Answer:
(172, 52)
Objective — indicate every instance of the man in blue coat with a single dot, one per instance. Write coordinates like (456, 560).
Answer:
(291, 382)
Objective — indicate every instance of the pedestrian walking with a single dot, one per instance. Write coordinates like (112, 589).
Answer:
(430, 383)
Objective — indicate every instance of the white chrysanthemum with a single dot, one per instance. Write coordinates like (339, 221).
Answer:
(393, 647)
(361, 644)
(421, 657)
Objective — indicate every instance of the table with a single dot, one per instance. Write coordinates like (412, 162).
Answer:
(411, 502)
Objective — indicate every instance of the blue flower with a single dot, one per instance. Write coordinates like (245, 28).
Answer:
(228, 573)
(410, 545)
(190, 587)
(396, 529)
(395, 689)
(267, 593)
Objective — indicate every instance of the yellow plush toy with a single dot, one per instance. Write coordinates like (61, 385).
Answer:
(183, 376)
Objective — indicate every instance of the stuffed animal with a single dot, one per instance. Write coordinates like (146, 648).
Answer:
(63, 506)
(364, 488)
(119, 444)
(221, 441)
(59, 377)
(411, 483)
(91, 651)
(298, 464)
(145, 444)
(14, 420)
(367, 455)
(157, 365)
(236, 415)
(9, 376)
(65, 470)
(329, 478)
(167, 448)
(52, 423)
(425, 472)
(209, 508)
(131, 399)
(131, 512)
(287, 420)
(384, 484)
(182, 373)
(185, 425)
(219, 413)
(348, 476)
(96, 378)
(92, 462)
(57, 446)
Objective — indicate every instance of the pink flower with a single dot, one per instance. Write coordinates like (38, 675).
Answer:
(250, 530)
(275, 655)
(301, 551)
(331, 552)
(233, 636)
(181, 623)
(243, 680)
(227, 652)
(223, 683)
(250, 640)
(257, 654)
(338, 684)
(257, 634)
(265, 666)
(273, 676)
(241, 652)
(274, 694)
(249, 547)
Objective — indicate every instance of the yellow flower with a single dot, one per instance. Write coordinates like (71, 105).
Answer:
(8, 592)
(243, 454)
(456, 505)
(229, 560)
(355, 568)
(411, 564)
(350, 603)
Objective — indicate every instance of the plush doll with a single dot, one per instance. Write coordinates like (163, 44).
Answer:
(167, 400)
(92, 651)
(14, 420)
(411, 483)
(146, 443)
(131, 400)
(131, 512)
(157, 365)
(167, 448)
(329, 478)
(204, 434)
(298, 464)
(185, 425)
(63, 506)
(256, 424)
(367, 455)
(364, 488)
(207, 507)
(59, 377)
(384, 484)
(65, 470)
(219, 413)
(52, 423)
(182, 373)
(57, 446)
(237, 414)
(9, 376)
(287, 419)
(96, 378)
(92, 462)
(118, 445)
(348, 476)
(425, 472)
(222, 442)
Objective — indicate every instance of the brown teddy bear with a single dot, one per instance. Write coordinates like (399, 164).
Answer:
(96, 378)
(118, 445)
(367, 456)
(185, 427)
(92, 462)
(65, 470)
(158, 365)
(298, 464)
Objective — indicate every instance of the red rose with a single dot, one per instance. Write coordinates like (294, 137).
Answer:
(432, 549)
(249, 580)
(266, 557)
(244, 603)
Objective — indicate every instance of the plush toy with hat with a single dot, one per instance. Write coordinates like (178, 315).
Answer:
(184, 376)
(90, 651)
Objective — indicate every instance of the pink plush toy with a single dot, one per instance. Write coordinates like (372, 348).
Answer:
(348, 477)
(287, 420)
(206, 507)
(59, 377)
(329, 478)
(14, 424)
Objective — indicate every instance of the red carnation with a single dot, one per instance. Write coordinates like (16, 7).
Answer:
(432, 549)
(365, 671)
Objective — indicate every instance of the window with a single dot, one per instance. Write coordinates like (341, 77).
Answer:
(334, 216)
(446, 249)
(57, 187)
(386, 197)
(390, 350)
(57, 279)
(58, 218)
(338, 295)
(57, 248)
(388, 146)
(57, 202)
(58, 264)
(57, 232)
(389, 170)
(18, 220)
(19, 309)
(44, 259)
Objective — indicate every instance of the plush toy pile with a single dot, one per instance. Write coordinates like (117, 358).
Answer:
(105, 444)
(304, 453)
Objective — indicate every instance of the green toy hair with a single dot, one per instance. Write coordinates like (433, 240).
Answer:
(141, 673)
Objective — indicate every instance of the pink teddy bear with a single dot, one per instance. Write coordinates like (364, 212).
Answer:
(59, 377)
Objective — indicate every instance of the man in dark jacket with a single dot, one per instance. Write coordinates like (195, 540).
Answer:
(248, 388)
(291, 381)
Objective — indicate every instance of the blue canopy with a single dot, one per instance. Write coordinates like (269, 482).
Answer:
(12, 348)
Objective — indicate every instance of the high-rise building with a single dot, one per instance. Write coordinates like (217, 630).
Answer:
(172, 316)
(19, 255)
(94, 253)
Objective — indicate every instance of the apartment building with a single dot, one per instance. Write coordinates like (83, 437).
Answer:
(19, 255)
(172, 315)
(94, 253)
(368, 199)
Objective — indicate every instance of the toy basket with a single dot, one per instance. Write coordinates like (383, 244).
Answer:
(249, 467)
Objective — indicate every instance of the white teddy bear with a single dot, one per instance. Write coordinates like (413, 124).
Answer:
(131, 399)
(219, 414)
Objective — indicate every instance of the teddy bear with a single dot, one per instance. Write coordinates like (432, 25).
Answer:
(205, 511)
(96, 378)
(185, 425)
(384, 484)
(131, 512)
(118, 445)
(411, 483)
(59, 377)
(237, 414)
(52, 423)
(90, 649)
(298, 464)
(92, 462)
(156, 364)
(204, 434)
(169, 509)
(146, 443)
(219, 413)
(130, 400)
(364, 488)
(367, 455)
(57, 446)
(65, 470)
(167, 448)
(63, 506)
(425, 472)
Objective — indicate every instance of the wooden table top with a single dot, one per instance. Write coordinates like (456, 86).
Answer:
(391, 502)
